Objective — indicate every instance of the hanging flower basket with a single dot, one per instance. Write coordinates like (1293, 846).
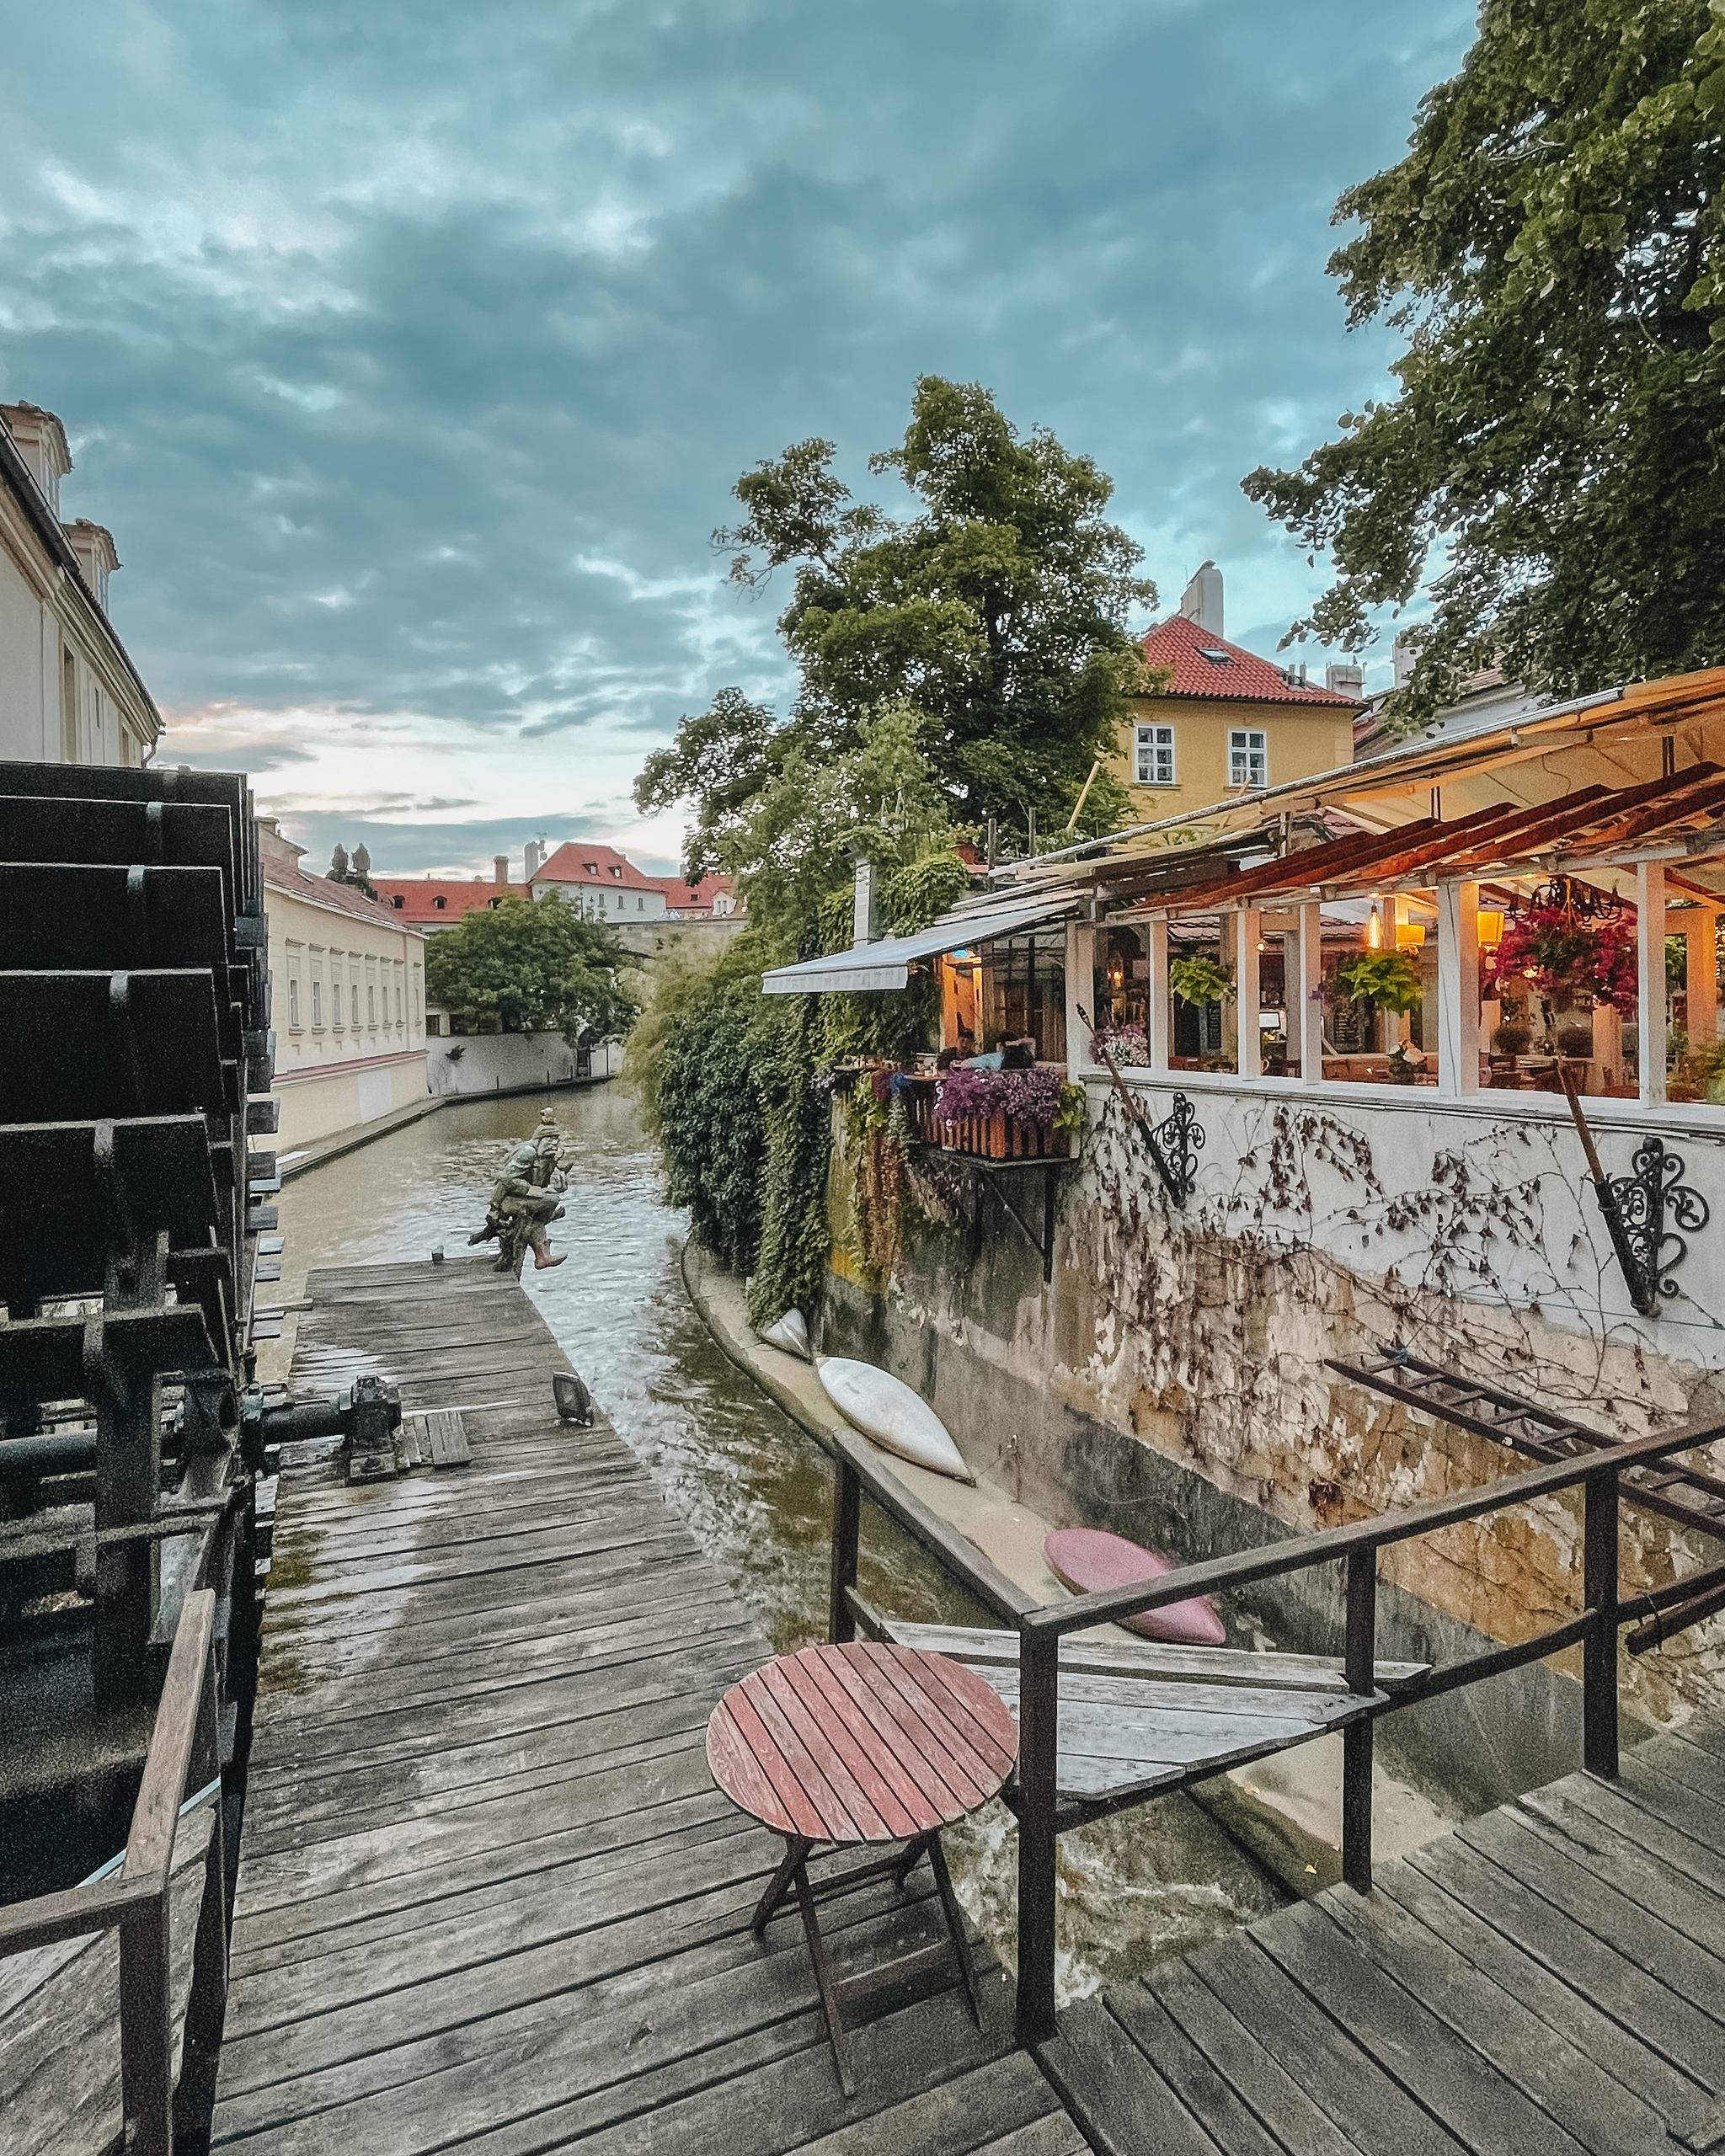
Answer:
(1008, 1115)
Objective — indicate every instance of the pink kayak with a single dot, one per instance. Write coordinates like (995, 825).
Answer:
(1088, 1559)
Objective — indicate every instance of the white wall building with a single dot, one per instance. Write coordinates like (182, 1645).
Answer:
(69, 693)
(348, 992)
(597, 881)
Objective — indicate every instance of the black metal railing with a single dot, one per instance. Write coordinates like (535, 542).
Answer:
(1040, 1630)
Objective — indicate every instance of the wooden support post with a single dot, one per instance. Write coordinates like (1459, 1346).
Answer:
(1598, 1673)
(847, 1524)
(1458, 989)
(128, 1409)
(1248, 1053)
(147, 2031)
(1158, 1005)
(1308, 976)
(1650, 970)
(1081, 968)
(1701, 930)
(1360, 1667)
(1038, 1751)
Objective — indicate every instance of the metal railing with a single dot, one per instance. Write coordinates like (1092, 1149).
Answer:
(1040, 1630)
(137, 1902)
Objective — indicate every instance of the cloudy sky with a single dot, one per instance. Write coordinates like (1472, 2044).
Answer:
(410, 350)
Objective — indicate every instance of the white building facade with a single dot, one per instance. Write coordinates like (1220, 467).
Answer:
(69, 693)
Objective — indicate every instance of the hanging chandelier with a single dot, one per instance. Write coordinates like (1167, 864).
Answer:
(1575, 901)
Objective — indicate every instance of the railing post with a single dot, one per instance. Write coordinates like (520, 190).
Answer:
(147, 2031)
(847, 1524)
(1039, 1752)
(1360, 1667)
(1599, 1680)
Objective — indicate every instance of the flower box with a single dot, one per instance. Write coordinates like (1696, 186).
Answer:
(1002, 1137)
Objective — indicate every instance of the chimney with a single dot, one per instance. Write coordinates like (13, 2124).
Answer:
(531, 866)
(1347, 680)
(1201, 601)
(94, 545)
(500, 869)
(865, 928)
(41, 441)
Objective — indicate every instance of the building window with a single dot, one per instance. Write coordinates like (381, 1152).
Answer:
(293, 1002)
(1248, 757)
(1154, 763)
(356, 987)
(397, 1003)
(640, 905)
(440, 903)
(398, 901)
(335, 997)
(371, 1005)
(317, 1004)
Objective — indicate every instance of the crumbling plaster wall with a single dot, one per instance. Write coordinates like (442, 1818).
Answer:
(1172, 1381)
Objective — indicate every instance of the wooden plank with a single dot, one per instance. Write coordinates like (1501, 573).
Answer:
(1569, 2013)
(1662, 2020)
(1110, 2088)
(1369, 2107)
(1562, 2079)
(1413, 2047)
(1234, 2051)
(1210, 2099)
(1125, 1656)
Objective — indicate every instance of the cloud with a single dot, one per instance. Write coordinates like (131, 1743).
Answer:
(411, 355)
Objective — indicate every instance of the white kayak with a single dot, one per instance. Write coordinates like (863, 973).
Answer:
(886, 1410)
(790, 1335)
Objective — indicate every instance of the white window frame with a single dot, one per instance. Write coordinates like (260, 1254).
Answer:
(1248, 757)
(293, 1003)
(1153, 757)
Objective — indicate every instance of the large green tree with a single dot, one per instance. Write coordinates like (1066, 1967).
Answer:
(523, 967)
(1550, 249)
(998, 607)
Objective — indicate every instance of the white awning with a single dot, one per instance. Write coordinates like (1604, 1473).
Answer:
(887, 963)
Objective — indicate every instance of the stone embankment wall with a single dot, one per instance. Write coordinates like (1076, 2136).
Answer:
(504, 1063)
(1171, 1382)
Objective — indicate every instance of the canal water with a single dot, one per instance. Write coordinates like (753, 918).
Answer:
(753, 1486)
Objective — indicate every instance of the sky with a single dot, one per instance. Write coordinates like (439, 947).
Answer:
(410, 351)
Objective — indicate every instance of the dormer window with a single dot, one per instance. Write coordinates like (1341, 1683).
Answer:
(591, 868)
(440, 903)
(617, 872)
(1215, 657)
(398, 900)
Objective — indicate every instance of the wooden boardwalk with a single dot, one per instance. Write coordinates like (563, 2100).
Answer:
(488, 1897)
(1549, 1980)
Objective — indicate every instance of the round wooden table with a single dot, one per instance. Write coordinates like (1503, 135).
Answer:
(837, 1747)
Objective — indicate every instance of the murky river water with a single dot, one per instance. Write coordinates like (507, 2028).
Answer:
(753, 1486)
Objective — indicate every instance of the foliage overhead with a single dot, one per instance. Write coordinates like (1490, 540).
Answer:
(998, 607)
(1389, 980)
(1550, 249)
(521, 967)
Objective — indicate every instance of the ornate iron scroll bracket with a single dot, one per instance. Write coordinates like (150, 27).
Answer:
(1635, 1208)
(1175, 1144)
(1652, 1193)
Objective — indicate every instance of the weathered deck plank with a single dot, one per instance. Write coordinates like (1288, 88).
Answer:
(489, 1898)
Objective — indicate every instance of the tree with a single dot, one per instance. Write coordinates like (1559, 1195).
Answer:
(522, 968)
(1550, 249)
(998, 608)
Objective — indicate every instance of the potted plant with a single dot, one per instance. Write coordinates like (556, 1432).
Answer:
(1388, 980)
(1201, 979)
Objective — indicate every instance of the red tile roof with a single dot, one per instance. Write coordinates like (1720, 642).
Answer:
(280, 861)
(415, 900)
(585, 863)
(1235, 675)
(693, 898)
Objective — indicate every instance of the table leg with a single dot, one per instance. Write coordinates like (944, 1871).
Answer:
(796, 1852)
(955, 1923)
(912, 1857)
(823, 1968)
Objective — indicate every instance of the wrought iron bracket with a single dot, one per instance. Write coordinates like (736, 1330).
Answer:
(1636, 1206)
(1652, 1193)
(1173, 1144)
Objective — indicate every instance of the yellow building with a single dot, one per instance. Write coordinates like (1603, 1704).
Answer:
(348, 999)
(1230, 724)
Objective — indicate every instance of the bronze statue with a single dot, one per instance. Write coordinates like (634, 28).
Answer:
(524, 1200)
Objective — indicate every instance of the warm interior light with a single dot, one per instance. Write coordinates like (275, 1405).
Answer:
(1409, 935)
(1490, 928)
(1373, 932)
